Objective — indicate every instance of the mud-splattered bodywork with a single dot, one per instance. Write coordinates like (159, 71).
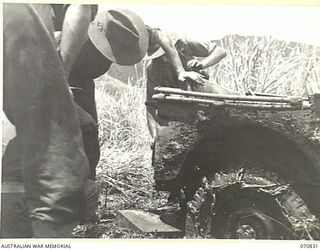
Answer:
(195, 135)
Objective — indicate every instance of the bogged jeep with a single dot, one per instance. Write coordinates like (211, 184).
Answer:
(245, 167)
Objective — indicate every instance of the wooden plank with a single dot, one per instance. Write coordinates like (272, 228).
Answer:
(145, 222)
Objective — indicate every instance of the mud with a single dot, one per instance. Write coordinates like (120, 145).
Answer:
(215, 138)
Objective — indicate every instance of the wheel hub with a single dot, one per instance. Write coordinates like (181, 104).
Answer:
(246, 232)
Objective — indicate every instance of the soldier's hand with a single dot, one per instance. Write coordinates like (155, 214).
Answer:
(87, 123)
(193, 76)
(195, 64)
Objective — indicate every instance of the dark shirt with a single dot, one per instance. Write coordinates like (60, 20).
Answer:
(89, 65)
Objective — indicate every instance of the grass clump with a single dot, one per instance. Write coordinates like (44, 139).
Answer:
(124, 172)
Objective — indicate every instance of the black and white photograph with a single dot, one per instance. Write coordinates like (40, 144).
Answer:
(149, 121)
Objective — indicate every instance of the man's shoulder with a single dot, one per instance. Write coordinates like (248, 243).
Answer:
(175, 37)
(199, 46)
(59, 12)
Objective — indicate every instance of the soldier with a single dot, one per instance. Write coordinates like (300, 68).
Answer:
(44, 166)
(184, 65)
(115, 36)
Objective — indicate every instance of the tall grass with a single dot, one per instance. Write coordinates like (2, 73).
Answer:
(266, 65)
(124, 173)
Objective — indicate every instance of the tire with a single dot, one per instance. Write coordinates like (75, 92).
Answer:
(249, 204)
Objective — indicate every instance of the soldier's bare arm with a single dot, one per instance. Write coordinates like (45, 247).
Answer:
(167, 45)
(210, 52)
(74, 33)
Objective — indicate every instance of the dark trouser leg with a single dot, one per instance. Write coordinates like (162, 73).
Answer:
(86, 100)
(11, 162)
(38, 103)
(15, 220)
(151, 110)
(92, 150)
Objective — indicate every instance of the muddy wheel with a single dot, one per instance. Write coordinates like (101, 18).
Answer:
(249, 205)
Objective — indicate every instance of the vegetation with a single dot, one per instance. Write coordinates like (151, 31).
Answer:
(125, 164)
(266, 65)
